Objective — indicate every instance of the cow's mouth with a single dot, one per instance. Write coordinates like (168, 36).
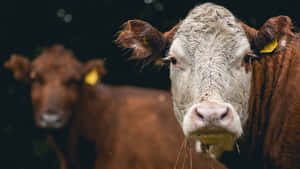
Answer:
(214, 143)
(50, 125)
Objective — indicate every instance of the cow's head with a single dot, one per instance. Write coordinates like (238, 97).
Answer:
(210, 85)
(55, 78)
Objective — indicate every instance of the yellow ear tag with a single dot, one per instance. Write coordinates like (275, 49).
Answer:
(145, 41)
(269, 48)
(92, 77)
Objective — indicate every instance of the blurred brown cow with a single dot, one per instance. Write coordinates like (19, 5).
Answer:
(101, 126)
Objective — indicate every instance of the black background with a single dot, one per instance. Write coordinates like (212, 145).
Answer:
(27, 25)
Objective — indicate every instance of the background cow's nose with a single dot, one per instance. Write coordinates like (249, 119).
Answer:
(50, 118)
(213, 113)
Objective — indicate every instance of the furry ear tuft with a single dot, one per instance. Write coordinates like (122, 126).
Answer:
(20, 66)
(145, 40)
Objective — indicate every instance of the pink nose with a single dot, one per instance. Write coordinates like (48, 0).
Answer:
(213, 114)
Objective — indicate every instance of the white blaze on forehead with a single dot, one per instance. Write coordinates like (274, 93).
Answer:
(210, 45)
(177, 48)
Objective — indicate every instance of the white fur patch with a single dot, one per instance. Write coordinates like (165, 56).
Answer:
(283, 43)
(177, 48)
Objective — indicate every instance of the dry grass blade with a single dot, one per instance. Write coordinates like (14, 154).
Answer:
(178, 154)
(191, 158)
(238, 148)
(185, 150)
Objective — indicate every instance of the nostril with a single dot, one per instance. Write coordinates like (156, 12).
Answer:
(225, 114)
(200, 115)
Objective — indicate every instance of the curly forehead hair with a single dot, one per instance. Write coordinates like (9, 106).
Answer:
(206, 18)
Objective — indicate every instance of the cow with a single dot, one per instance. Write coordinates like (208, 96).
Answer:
(94, 125)
(231, 84)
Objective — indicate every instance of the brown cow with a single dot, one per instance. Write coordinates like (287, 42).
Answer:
(217, 99)
(100, 126)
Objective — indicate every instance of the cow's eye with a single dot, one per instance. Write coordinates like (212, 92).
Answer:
(171, 59)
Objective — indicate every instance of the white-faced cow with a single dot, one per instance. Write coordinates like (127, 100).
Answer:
(97, 126)
(230, 83)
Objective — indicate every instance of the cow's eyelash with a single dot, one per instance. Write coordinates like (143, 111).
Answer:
(171, 59)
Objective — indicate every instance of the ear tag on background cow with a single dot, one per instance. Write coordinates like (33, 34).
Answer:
(92, 77)
(145, 41)
(269, 48)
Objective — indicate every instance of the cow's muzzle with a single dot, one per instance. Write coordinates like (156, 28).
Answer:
(215, 125)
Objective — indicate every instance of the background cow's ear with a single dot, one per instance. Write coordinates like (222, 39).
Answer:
(144, 39)
(20, 66)
(93, 70)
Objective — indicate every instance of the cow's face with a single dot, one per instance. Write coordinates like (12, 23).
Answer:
(55, 77)
(210, 87)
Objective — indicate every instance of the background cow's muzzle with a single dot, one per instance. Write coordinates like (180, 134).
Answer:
(50, 119)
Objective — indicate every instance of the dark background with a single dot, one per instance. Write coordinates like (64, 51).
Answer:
(88, 28)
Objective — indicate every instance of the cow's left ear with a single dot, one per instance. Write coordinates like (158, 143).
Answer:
(145, 40)
(20, 66)
(93, 71)
(267, 36)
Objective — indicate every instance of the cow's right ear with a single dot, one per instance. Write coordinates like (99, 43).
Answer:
(20, 66)
(144, 39)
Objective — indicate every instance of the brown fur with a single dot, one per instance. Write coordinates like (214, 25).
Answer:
(106, 126)
(274, 111)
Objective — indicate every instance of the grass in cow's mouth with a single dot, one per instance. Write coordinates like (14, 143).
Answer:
(205, 148)
(214, 139)
(213, 145)
(219, 138)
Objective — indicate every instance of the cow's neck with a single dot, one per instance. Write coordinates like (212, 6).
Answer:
(269, 74)
(95, 106)
(59, 141)
(96, 118)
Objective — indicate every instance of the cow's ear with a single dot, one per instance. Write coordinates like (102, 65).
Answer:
(272, 31)
(93, 71)
(144, 39)
(20, 66)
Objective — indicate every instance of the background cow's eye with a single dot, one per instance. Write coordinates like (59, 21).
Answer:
(37, 80)
(71, 82)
